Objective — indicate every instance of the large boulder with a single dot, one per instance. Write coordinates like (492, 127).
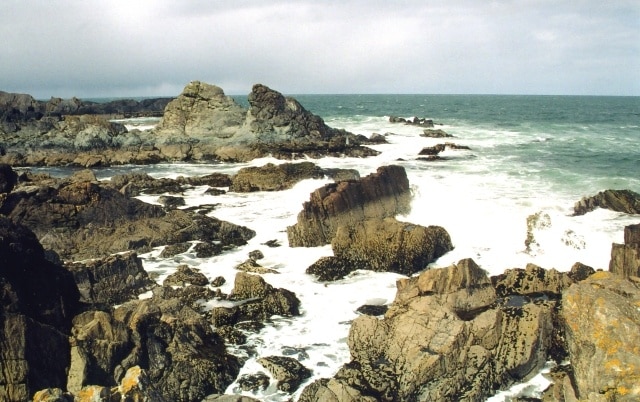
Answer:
(626, 201)
(388, 245)
(255, 300)
(38, 301)
(288, 372)
(625, 258)
(272, 177)
(382, 194)
(602, 326)
(447, 336)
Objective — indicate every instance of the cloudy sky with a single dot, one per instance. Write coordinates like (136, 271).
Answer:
(137, 47)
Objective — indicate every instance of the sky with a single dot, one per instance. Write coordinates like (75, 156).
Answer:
(112, 48)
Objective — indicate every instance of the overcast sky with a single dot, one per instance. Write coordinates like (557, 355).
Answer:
(148, 48)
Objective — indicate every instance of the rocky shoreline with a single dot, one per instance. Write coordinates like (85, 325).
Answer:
(82, 320)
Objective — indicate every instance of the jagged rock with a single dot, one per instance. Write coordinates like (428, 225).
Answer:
(186, 275)
(251, 265)
(171, 202)
(177, 348)
(388, 245)
(254, 382)
(137, 386)
(342, 174)
(439, 133)
(173, 249)
(445, 337)
(99, 346)
(330, 268)
(415, 121)
(288, 372)
(378, 195)
(256, 255)
(377, 138)
(373, 310)
(580, 272)
(257, 301)
(625, 258)
(39, 298)
(87, 220)
(625, 201)
(272, 177)
(8, 178)
(602, 324)
(111, 280)
(208, 249)
(218, 281)
(231, 335)
(531, 280)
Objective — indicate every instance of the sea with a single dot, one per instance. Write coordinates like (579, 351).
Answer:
(527, 155)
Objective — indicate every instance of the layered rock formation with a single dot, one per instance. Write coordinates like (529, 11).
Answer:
(625, 258)
(602, 325)
(38, 301)
(625, 201)
(378, 195)
(447, 336)
(202, 123)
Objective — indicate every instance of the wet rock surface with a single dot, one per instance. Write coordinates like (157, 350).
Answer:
(378, 195)
(625, 201)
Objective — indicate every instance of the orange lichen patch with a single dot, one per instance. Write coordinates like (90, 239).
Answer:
(599, 275)
(131, 379)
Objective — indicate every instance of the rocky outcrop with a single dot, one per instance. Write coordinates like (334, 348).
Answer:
(110, 280)
(134, 184)
(447, 336)
(431, 133)
(272, 177)
(171, 342)
(602, 326)
(432, 153)
(39, 299)
(414, 121)
(387, 245)
(87, 219)
(201, 124)
(625, 201)
(185, 275)
(256, 300)
(531, 281)
(287, 371)
(625, 258)
(378, 195)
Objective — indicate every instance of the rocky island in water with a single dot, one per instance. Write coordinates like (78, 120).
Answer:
(82, 320)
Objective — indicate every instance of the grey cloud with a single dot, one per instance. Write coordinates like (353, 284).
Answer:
(119, 48)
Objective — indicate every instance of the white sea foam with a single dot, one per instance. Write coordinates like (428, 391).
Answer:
(482, 197)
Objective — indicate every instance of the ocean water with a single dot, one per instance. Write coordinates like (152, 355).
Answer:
(528, 155)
